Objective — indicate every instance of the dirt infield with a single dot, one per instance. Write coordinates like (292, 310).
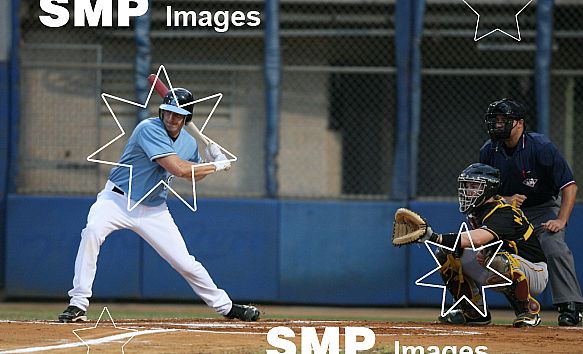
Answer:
(217, 335)
(224, 336)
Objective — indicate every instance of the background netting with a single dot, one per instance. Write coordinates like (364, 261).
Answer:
(338, 102)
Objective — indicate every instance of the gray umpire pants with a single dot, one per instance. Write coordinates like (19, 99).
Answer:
(561, 266)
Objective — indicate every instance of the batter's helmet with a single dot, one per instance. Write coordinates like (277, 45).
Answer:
(477, 183)
(507, 107)
(177, 105)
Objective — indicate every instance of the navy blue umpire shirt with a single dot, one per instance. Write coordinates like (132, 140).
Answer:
(534, 168)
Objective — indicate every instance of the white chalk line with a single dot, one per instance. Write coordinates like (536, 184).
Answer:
(193, 326)
(89, 342)
(256, 324)
(433, 332)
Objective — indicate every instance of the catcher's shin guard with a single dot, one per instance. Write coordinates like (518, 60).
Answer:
(525, 307)
(458, 284)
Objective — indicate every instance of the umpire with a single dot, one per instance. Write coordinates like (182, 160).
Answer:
(533, 173)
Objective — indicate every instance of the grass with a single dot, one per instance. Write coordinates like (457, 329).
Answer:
(19, 311)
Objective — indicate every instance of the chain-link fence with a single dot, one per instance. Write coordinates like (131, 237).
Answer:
(567, 84)
(59, 119)
(338, 105)
(461, 77)
(338, 99)
(338, 92)
(65, 70)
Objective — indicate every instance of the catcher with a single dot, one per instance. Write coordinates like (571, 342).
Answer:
(464, 271)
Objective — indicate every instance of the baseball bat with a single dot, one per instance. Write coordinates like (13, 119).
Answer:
(162, 90)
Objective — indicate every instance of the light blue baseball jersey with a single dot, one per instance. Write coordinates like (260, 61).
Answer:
(148, 142)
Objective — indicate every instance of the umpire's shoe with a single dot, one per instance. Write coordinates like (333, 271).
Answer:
(458, 317)
(244, 313)
(570, 314)
(527, 319)
(73, 314)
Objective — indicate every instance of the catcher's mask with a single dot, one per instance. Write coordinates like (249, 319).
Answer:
(177, 104)
(477, 183)
(500, 117)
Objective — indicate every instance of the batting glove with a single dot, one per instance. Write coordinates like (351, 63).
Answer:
(222, 164)
(213, 152)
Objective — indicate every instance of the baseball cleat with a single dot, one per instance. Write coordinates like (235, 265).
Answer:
(527, 320)
(244, 313)
(570, 314)
(457, 317)
(73, 314)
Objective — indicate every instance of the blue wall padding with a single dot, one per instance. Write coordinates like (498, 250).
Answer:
(43, 235)
(118, 267)
(575, 239)
(340, 253)
(4, 155)
(235, 240)
(312, 252)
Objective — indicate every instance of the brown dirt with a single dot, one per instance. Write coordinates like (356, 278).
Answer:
(217, 335)
(225, 336)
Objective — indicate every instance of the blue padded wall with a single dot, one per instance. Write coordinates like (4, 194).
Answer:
(310, 252)
(340, 253)
(43, 235)
(236, 241)
(575, 241)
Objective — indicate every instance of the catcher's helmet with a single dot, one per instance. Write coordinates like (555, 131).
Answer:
(177, 105)
(510, 109)
(477, 183)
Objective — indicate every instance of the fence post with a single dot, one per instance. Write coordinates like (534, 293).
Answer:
(143, 61)
(408, 34)
(544, 38)
(416, 93)
(272, 72)
(400, 186)
(9, 113)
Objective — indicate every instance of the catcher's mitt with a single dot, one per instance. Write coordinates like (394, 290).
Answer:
(409, 227)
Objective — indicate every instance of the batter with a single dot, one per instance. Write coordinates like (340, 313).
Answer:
(158, 149)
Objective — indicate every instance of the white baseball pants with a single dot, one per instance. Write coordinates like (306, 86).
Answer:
(156, 226)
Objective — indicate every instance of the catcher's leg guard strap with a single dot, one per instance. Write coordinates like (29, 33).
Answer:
(518, 293)
(458, 284)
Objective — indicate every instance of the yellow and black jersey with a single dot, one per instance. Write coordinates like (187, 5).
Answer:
(508, 223)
